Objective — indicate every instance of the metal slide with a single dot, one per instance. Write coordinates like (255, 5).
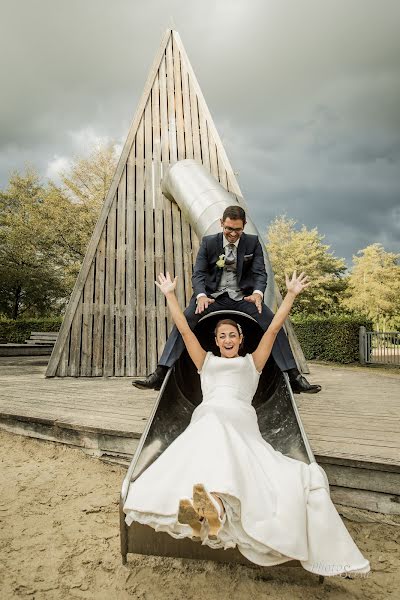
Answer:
(278, 417)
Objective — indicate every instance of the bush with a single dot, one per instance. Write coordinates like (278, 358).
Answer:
(18, 331)
(334, 338)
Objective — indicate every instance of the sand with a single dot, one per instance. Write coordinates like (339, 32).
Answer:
(59, 538)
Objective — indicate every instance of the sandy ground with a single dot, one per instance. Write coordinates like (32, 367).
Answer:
(59, 538)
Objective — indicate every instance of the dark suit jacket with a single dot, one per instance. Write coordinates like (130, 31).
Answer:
(251, 272)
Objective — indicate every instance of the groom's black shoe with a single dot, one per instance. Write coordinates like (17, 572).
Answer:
(153, 381)
(300, 384)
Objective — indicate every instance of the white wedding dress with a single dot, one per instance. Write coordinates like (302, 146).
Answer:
(277, 508)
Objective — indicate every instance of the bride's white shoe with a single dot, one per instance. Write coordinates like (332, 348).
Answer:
(187, 515)
(209, 508)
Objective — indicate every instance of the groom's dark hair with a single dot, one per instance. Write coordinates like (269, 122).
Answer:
(234, 212)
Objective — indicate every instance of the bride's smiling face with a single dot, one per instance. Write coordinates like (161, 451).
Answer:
(228, 340)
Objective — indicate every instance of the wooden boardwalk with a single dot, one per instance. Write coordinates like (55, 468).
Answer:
(353, 425)
(356, 415)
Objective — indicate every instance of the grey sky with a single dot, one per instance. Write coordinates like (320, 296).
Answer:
(304, 93)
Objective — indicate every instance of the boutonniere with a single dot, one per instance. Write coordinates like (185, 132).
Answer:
(221, 261)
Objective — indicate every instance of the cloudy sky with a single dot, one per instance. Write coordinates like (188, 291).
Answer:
(304, 93)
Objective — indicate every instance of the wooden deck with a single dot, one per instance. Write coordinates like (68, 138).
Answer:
(353, 425)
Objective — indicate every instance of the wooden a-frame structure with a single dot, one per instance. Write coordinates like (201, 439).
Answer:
(115, 323)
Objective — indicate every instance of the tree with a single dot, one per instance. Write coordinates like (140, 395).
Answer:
(374, 286)
(69, 212)
(290, 249)
(29, 281)
(89, 179)
(45, 230)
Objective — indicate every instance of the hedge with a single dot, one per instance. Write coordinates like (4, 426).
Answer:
(334, 338)
(18, 331)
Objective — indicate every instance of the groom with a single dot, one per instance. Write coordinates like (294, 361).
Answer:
(229, 274)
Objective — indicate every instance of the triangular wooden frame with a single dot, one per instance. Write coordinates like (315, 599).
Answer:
(173, 108)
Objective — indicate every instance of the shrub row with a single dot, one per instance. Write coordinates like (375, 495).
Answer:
(334, 338)
(18, 331)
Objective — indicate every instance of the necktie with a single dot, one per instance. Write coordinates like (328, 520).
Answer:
(230, 255)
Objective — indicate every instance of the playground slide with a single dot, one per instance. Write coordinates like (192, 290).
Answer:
(203, 200)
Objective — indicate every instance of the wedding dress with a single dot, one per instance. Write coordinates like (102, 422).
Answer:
(277, 508)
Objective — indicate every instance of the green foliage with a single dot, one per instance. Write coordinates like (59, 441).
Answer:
(69, 213)
(334, 338)
(45, 231)
(18, 331)
(374, 286)
(30, 281)
(291, 249)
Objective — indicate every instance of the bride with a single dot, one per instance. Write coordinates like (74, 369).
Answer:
(222, 484)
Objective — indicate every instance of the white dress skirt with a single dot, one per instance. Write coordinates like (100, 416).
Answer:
(277, 508)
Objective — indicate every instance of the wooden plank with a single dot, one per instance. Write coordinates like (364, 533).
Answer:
(338, 429)
(362, 464)
(195, 245)
(212, 149)
(75, 399)
(180, 130)
(372, 440)
(182, 136)
(363, 479)
(354, 451)
(178, 253)
(80, 402)
(194, 113)
(62, 370)
(119, 367)
(187, 259)
(77, 413)
(44, 334)
(207, 115)
(85, 439)
(164, 132)
(187, 117)
(383, 503)
(98, 309)
(149, 232)
(109, 295)
(76, 293)
(173, 155)
(169, 66)
(87, 324)
(62, 411)
(205, 150)
(130, 267)
(158, 218)
(75, 346)
(141, 364)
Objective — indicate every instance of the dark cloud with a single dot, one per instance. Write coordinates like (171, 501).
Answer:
(305, 95)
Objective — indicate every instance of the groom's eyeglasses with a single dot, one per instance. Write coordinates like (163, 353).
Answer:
(233, 229)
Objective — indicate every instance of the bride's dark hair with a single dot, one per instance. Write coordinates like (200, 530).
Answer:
(234, 324)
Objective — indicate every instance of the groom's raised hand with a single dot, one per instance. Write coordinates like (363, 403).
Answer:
(202, 303)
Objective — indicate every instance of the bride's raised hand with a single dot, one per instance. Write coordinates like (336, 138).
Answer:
(166, 284)
(297, 284)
